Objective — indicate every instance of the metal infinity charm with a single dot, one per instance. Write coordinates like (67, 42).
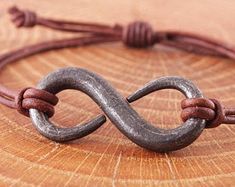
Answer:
(118, 110)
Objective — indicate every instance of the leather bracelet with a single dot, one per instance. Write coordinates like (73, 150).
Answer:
(197, 112)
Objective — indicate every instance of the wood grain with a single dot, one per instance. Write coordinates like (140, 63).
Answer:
(106, 157)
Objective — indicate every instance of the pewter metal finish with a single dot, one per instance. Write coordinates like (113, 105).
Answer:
(119, 111)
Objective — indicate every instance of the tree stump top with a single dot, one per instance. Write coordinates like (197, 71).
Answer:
(106, 157)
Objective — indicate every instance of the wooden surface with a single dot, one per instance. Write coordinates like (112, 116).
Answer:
(106, 157)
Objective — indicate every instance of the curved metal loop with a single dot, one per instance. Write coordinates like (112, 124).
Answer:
(119, 111)
(173, 139)
(55, 83)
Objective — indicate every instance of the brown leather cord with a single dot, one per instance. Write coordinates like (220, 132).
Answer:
(136, 34)
(209, 109)
(7, 96)
(51, 45)
(25, 18)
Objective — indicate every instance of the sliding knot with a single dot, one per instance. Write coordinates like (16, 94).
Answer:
(31, 98)
(210, 110)
(23, 18)
(138, 34)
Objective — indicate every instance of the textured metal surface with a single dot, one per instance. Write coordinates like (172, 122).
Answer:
(118, 110)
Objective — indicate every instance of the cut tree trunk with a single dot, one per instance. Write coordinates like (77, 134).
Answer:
(106, 157)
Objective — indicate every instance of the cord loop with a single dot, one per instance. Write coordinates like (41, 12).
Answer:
(210, 110)
(37, 99)
(138, 34)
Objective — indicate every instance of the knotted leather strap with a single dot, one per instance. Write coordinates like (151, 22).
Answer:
(136, 34)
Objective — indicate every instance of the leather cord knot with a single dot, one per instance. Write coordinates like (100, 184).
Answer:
(138, 34)
(31, 98)
(209, 109)
(23, 18)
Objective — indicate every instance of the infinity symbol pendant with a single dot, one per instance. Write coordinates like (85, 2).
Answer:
(118, 110)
